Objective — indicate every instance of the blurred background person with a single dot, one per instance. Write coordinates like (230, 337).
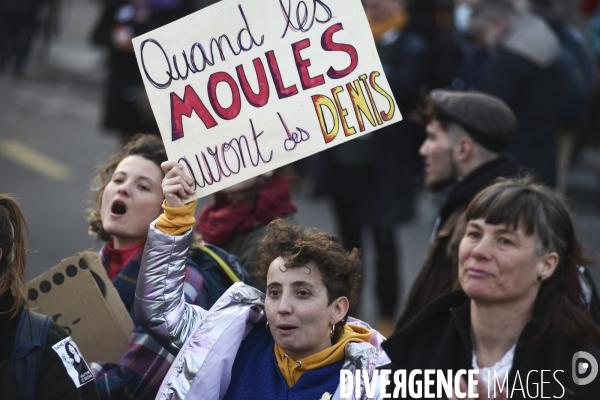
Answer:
(18, 22)
(576, 86)
(126, 106)
(466, 134)
(593, 36)
(474, 56)
(238, 216)
(524, 72)
(48, 378)
(371, 179)
(521, 306)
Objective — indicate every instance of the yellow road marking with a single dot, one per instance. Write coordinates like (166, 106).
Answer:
(33, 159)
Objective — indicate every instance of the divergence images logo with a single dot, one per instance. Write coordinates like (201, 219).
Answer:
(584, 364)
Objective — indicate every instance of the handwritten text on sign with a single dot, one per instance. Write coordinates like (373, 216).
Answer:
(247, 86)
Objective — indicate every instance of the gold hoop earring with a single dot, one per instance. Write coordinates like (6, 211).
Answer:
(267, 327)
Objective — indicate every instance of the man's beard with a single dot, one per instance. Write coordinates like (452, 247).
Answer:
(440, 184)
(436, 186)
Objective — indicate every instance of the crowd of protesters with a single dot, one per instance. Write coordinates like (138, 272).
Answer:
(239, 302)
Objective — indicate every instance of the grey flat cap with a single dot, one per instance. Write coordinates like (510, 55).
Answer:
(486, 118)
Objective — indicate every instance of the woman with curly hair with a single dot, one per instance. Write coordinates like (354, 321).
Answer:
(291, 343)
(128, 197)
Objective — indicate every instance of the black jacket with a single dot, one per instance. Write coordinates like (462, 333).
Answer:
(439, 338)
(521, 73)
(54, 382)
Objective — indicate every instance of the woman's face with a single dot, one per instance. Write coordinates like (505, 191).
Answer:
(132, 200)
(498, 264)
(74, 354)
(296, 306)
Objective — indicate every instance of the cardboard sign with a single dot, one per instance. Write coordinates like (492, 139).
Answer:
(243, 87)
(78, 295)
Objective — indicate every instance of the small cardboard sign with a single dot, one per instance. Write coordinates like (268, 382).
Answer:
(244, 87)
(78, 295)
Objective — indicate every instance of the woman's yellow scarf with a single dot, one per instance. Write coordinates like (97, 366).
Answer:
(395, 21)
(292, 369)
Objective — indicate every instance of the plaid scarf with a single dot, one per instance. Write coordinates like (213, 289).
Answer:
(144, 365)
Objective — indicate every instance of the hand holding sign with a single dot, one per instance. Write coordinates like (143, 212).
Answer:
(241, 88)
(175, 185)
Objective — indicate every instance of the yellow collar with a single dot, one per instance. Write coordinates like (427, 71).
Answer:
(292, 369)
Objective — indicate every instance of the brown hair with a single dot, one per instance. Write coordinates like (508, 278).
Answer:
(148, 146)
(543, 212)
(429, 112)
(14, 253)
(340, 268)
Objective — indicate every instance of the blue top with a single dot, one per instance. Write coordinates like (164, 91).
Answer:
(256, 375)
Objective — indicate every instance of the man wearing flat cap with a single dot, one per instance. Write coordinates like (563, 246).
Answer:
(466, 133)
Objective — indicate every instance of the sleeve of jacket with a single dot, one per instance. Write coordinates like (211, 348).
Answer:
(160, 305)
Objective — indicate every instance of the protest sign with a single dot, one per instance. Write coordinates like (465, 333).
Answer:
(243, 87)
(78, 295)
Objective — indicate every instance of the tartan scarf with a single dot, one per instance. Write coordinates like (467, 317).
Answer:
(145, 363)
(126, 281)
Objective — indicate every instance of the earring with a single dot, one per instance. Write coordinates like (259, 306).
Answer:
(539, 278)
(267, 327)
(332, 331)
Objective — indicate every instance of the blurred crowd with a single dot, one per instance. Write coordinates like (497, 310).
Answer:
(487, 88)
(526, 53)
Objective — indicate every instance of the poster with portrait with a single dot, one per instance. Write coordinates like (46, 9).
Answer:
(244, 87)
(73, 361)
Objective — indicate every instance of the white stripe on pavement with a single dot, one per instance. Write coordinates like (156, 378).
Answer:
(33, 159)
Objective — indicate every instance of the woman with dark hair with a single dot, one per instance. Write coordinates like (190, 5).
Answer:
(293, 343)
(53, 380)
(129, 197)
(521, 310)
(78, 362)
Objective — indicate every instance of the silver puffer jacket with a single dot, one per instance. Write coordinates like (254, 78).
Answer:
(206, 342)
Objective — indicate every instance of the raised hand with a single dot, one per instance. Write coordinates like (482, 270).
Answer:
(175, 185)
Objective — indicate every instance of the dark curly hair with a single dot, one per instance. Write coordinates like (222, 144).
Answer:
(148, 146)
(428, 112)
(340, 268)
